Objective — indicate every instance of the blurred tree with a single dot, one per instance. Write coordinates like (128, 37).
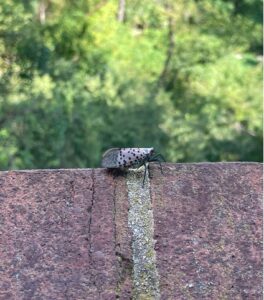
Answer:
(78, 77)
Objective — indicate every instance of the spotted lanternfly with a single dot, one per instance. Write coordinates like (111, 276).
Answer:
(123, 158)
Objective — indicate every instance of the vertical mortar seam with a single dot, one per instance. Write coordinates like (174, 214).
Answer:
(141, 223)
(91, 216)
(119, 265)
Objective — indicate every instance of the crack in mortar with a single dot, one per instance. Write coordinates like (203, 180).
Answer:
(72, 192)
(114, 216)
(115, 244)
(90, 211)
(90, 250)
(141, 223)
(124, 264)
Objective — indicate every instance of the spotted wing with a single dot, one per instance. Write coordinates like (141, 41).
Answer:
(128, 157)
(110, 158)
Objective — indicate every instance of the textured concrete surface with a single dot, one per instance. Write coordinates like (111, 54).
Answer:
(64, 234)
(141, 223)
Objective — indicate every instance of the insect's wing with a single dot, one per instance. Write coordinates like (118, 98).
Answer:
(130, 157)
(110, 158)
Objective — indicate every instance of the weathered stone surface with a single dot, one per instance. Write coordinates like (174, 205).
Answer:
(208, 228)
(58, 235)
(64, 233)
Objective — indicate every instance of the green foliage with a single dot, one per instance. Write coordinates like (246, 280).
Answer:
(184, 77)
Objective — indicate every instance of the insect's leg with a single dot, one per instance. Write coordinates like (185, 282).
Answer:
(159, 156)
(159, 161)
(140, 165)
(145, 172)
(148, 170)
(161, 170)
(153, 157)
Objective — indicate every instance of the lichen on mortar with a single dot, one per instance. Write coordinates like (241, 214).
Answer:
(141, 223)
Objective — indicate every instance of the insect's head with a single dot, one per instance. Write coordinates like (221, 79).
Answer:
(154, 156)
(151, 151)
(150, 154)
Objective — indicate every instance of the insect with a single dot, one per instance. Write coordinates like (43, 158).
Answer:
(123, 158)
